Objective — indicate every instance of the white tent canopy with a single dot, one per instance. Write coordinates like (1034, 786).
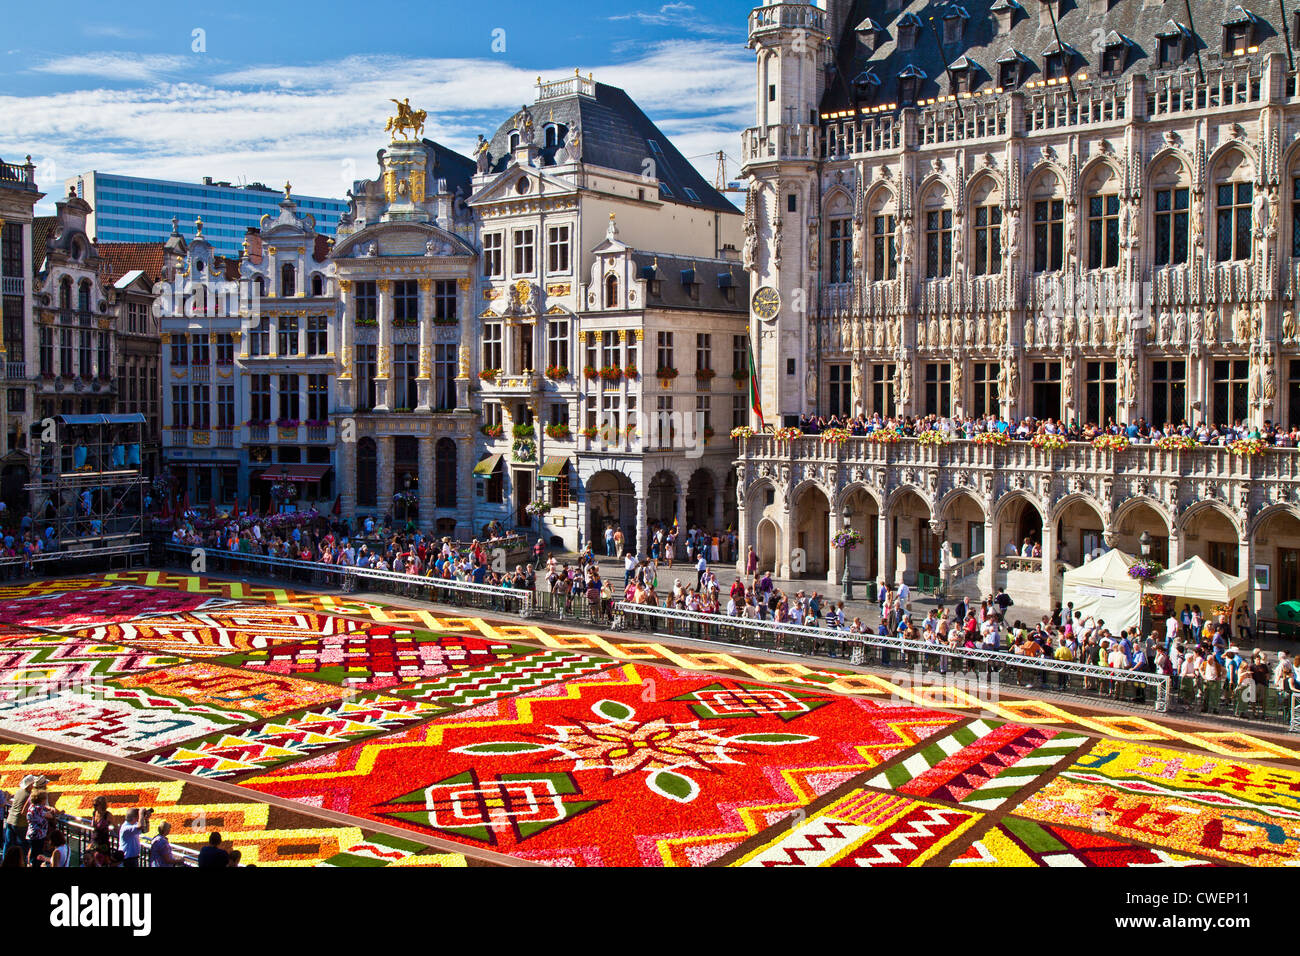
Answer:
(1196, 581)
(1103, 589)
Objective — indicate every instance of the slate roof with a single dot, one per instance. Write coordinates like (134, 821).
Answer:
(451, 166)
(617, 135)
(674, 293)
(1081, 27)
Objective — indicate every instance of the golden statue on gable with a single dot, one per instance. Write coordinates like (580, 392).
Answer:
(407, 121)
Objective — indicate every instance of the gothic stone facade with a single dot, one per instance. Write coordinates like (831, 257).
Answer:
(1004, 225)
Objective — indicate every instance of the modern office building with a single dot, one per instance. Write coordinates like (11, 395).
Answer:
(131, 209)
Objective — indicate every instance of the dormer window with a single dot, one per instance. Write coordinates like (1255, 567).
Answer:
(870, 33)
(909, 84)
(1114, 55)
(552, 136)
(1057, 62)
(960, 76)
(866, 85)
(1011, 70)
(909, 26)
(514, 141)
(727, 286)
(1172, 43)
(1006, 12)
(1239, 31)
(954, 25)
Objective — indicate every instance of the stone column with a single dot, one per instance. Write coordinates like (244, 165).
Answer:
(884, 551)
(742, 537)
(508, 331)
(1176, 549)
(836, 556)
(642, 541)
(347, 322)
(1246, 569)
(426, 522)
(384, 452)
(383, 383)
(347, 479)
(991, 553)
(424, 380)
(681, 514)
(1048, 583)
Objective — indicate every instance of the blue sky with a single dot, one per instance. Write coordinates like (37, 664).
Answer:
(273, 94)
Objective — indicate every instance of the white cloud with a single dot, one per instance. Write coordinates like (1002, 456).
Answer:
(132, 67)
(680, 16)
(113, 30)
(320, 126)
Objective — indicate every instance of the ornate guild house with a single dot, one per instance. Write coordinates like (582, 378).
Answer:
(1080, 210)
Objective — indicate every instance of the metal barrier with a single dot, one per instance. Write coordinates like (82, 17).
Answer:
(436, 590)
(76, 554)
(80, 835)
(858, 648)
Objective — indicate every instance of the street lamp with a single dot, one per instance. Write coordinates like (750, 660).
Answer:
(846, 583)
(406, 502)
(1144, 544)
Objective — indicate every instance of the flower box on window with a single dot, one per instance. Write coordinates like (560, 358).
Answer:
(557, 373)
(560, 432)
(704, 374)
(489, 374)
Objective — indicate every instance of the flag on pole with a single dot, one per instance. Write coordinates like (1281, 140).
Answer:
(338, 505)
(754, 401)
(234, 513)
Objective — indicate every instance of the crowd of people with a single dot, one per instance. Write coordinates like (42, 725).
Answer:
(1195, 649)
(37, 835)
(1024, 429)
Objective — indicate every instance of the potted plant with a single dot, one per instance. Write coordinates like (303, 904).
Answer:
(522, 430)
(489, 374)
(590, 371)
(704, 374)
(1045, 441)
(537, 508)
(631, 372)
(557, 373)
(741, 431)
(492, 431)
(665, 373)
(846, 540)
(589, 432)
(558, 431)
(611, 373)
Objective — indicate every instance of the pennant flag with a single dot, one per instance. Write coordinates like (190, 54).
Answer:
(338, 505)
(754, 402)
(234, 513)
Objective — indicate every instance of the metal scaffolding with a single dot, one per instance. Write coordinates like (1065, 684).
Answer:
(88, 485)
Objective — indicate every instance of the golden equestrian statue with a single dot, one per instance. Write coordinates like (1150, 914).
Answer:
(407, 121)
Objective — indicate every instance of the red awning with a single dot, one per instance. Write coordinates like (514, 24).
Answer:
(296, 472)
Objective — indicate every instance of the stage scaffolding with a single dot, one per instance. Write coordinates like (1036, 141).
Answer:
(87, 483)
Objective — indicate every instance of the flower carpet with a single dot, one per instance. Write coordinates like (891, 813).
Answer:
(320, 730)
